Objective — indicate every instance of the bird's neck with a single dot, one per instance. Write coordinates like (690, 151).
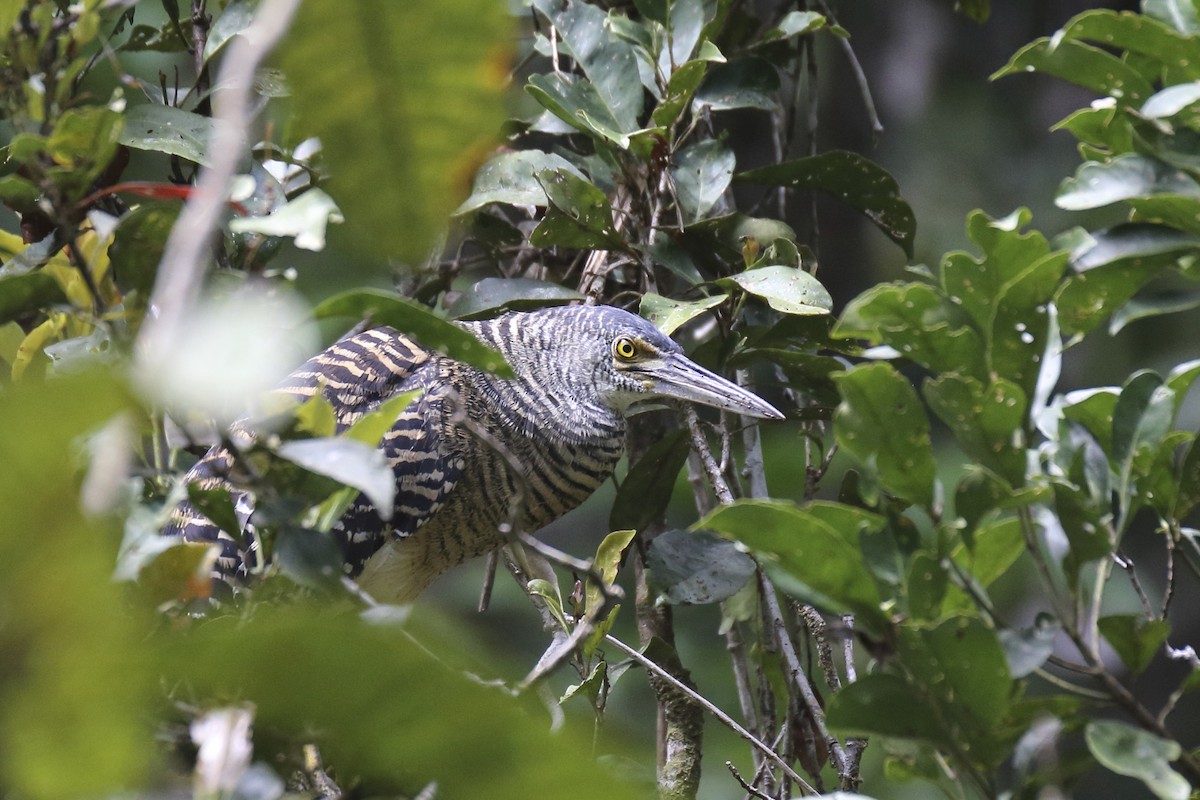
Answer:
(552, 395)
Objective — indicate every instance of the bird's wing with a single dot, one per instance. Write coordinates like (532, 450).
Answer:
(356, 375)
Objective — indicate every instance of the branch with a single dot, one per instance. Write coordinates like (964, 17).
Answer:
(708, 706)
(185, 258)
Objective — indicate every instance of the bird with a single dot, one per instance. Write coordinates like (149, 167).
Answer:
(476, 456)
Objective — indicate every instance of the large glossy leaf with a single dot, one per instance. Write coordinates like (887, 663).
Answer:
(1136, 33)
(987, 420)
(303, 218)
(511, 177)
(406, 316)
(404, 109)
(920, 322)
(886, 705)
(349, 462)
(697, 567)
(1130, 751)
(811, 551)
(605, 59)
(1081, 64)
(575, 101)
(578, 214)
(165, 129)
(1126, 177)
(668, 315)
(702, 173)
(786, 289)
(853, 179)
(490, 296)
(744, 83)
(882, 423)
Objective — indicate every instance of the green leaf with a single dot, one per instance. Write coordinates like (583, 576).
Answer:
(643, 496)
(19, 194)
(1171, 101)
(27, 293)
(795, 23)
(882, 424)
(1093, 409)
(1027, 649)
(404, 112)
(680, 90)
(1144, 308)
(1127, 750)
(386, 308)
(489, 296)
(310, 558)
(885, 705)
(166, 129)
(1142, 416)
(1136, 641)
(669, 315)
(812, 552)
(236, 17)
(1081, 64)
(920, 322)
(579, 214)
(988, 421)
(370, 427)
(853, 179)
(1126, 177)
(606, 61)
(302, 218)
(961, 663)
(701, 173)
(348, 462)
(511, 177)
(786, 289)
(696, 567)
(925, 586)
(1189, 481)
(745, 83)
(217, 505)
(138, 244)
(1179, 14)
(1133, 240)
(575, 101)
(1135, 33)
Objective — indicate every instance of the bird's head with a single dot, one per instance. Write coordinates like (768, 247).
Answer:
(631, 360)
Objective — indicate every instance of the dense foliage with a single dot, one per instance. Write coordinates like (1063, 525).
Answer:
(944, 569)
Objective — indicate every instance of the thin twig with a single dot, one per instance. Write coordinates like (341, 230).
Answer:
(796, 672)
(860, 77)
(708, 706)
(185, 258)
(750, 790)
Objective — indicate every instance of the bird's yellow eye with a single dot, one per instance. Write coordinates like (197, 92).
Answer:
(624, 348)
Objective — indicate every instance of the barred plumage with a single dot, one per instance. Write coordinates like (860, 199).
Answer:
(476, 456)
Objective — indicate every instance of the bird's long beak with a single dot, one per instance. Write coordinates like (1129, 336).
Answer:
(683, 379)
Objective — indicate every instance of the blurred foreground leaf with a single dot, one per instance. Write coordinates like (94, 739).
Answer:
(405, 98)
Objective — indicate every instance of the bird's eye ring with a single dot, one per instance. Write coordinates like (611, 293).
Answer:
(624, 348)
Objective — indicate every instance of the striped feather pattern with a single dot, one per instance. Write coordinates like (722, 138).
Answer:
(475, 456)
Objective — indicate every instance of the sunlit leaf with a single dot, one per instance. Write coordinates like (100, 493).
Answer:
(669, 315)
(349, 462)
(786, 289)
(166, 129)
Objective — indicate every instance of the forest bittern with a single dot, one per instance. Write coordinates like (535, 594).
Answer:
(477, 456)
